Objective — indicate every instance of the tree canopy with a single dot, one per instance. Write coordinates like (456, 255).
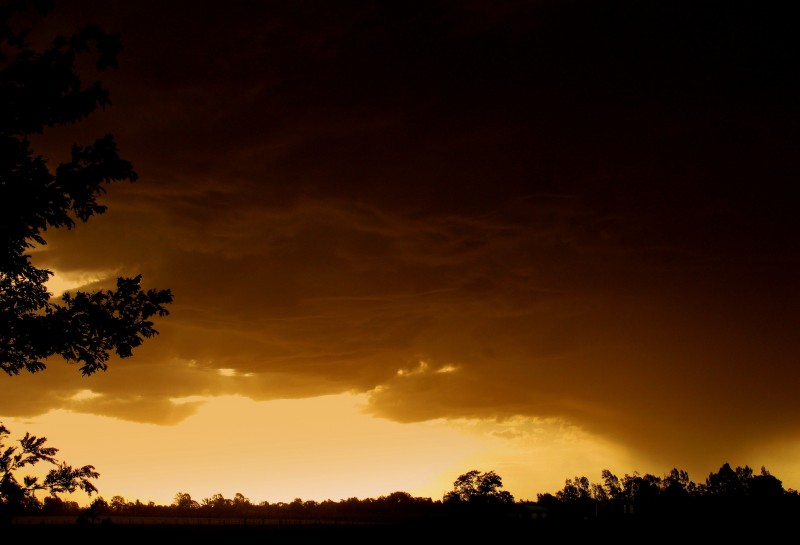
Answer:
(40, 90)
(474, 487)
(18, 493)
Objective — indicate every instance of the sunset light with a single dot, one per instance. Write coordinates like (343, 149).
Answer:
(323, 251)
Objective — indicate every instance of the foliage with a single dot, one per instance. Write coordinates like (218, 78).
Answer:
(727, 494)
(19, 492)
(40, 90)
(93, 512)
(476, 488)
(671, 503)
(183, 501)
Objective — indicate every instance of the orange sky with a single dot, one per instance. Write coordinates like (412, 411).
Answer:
(539, 238)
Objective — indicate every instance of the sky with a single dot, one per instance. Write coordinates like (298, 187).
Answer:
(409, 240)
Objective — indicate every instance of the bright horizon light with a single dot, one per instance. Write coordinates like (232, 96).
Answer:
(319, 449)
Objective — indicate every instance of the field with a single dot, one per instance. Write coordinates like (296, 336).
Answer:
(227, 530)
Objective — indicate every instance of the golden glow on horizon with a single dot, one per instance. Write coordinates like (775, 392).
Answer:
(314, 449)
(465, 258)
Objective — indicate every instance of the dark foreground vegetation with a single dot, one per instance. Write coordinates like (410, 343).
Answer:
(40, 90)
(730, 504)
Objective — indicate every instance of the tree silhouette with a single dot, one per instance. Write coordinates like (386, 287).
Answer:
(728, 483)
(579, 512)
(17, 493)
(117, 504)
(184, 502)
(575, 490)
(476, 488)
(41, 89)
(765, 487)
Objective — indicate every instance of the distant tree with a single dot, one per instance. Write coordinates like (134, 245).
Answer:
(94, 511)
(677, 486)
(402, 504)
(18, 492)
(478, 488)
(611, 485)
(398, 498)
(598, 492)
(576, 498)
(240, 501)
(53, 505)
(184, 502)
(217, 502)
(575, 490)
(728, 483)
(641, 490)
(118, 504)
(765, 487)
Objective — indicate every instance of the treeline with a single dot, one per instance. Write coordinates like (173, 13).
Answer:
(730, 494)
